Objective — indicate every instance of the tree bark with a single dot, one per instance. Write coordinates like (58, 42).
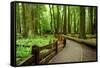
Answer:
(58, 17)
(74, 21)
(82, 23)
(68, 19)
(65, 25)
(51, 17)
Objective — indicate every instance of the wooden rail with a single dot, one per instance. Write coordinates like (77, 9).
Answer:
(38, 57)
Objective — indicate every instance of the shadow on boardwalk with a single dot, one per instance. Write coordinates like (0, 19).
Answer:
(75, 52)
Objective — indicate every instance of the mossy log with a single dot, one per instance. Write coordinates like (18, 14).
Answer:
(84, 41)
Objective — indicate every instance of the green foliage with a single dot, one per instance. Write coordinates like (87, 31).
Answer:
(37, 40)
(22, 52)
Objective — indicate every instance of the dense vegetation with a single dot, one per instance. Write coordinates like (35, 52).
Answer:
(37, 24)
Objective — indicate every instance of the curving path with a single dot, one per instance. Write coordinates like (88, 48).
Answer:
(75, 52)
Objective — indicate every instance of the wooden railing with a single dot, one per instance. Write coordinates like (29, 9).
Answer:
(39, 56)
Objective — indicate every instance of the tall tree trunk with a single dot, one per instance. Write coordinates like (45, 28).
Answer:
(65, 25)
(33, 20)
(91, 22)
(24, 25)
(54, 20)
(82, 23)
(62, 21)
(70, 23)
(58, 19)
(68, 19)
(78, 26)
(74, 21)
(51, 17)
(18, 18)
(95, 21)
(29, 22)
(36, 19)
(90, 11)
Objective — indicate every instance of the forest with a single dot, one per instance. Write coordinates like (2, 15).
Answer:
(38, 24)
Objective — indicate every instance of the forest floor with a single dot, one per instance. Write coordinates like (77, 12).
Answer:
(75, 52)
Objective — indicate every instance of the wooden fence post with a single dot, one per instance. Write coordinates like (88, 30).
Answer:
(36, 53)
(64, 42)
(56, 46)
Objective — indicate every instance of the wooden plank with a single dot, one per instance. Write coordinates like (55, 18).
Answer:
(27, 61)
(46, 60)
(49, 46)
(42, 56)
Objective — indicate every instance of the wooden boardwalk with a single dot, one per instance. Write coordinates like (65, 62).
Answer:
(75, 52)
